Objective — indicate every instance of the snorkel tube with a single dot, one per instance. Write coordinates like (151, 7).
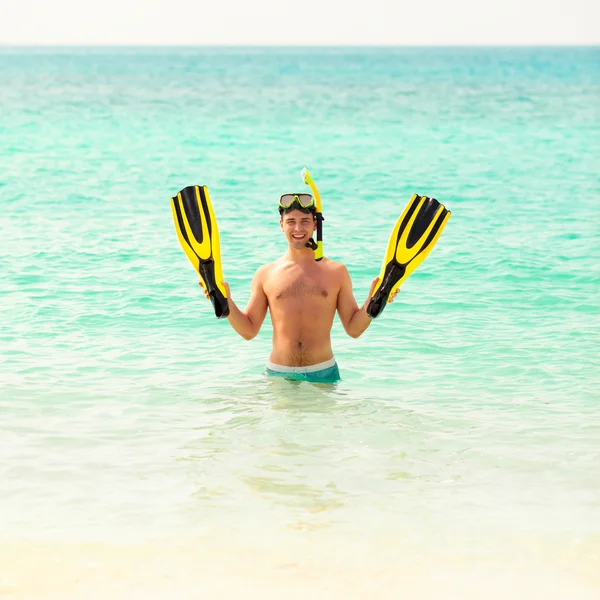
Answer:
(317, 247)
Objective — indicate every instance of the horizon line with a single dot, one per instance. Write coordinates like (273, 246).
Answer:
(302, 46)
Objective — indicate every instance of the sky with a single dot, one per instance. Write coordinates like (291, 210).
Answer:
(306, 23)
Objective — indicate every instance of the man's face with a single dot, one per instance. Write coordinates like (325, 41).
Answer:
(298, 227)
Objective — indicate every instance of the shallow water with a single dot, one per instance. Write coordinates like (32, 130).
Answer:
(463, 439)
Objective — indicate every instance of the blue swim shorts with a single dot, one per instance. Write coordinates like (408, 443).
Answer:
(325, 372)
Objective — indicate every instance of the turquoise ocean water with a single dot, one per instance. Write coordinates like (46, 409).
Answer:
(141, 448)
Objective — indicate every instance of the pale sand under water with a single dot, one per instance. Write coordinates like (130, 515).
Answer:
(367, 568)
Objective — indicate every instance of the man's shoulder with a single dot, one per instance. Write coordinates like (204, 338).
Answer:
(335, 270)
(264, 270)
(334, 266)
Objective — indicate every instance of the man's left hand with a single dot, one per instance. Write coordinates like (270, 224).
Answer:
(375, 282)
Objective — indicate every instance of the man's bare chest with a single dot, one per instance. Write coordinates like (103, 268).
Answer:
(302, 287)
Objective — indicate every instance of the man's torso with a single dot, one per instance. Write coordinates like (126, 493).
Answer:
(302, 302)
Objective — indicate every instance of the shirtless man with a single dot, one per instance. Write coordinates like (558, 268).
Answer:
(303, 296)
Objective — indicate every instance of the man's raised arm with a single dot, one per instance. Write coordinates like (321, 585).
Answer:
(248, 322)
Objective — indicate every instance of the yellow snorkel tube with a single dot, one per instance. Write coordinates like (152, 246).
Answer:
(318, 247)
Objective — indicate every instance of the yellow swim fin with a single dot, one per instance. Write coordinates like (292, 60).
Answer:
(413, 237)
(198, 234)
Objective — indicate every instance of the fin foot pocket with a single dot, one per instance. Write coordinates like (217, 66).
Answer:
(219, 302)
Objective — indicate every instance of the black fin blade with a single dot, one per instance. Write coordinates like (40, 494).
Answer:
(407, 217)
(192, 211)
(205, 209)
(436, 228)
(424, 218)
